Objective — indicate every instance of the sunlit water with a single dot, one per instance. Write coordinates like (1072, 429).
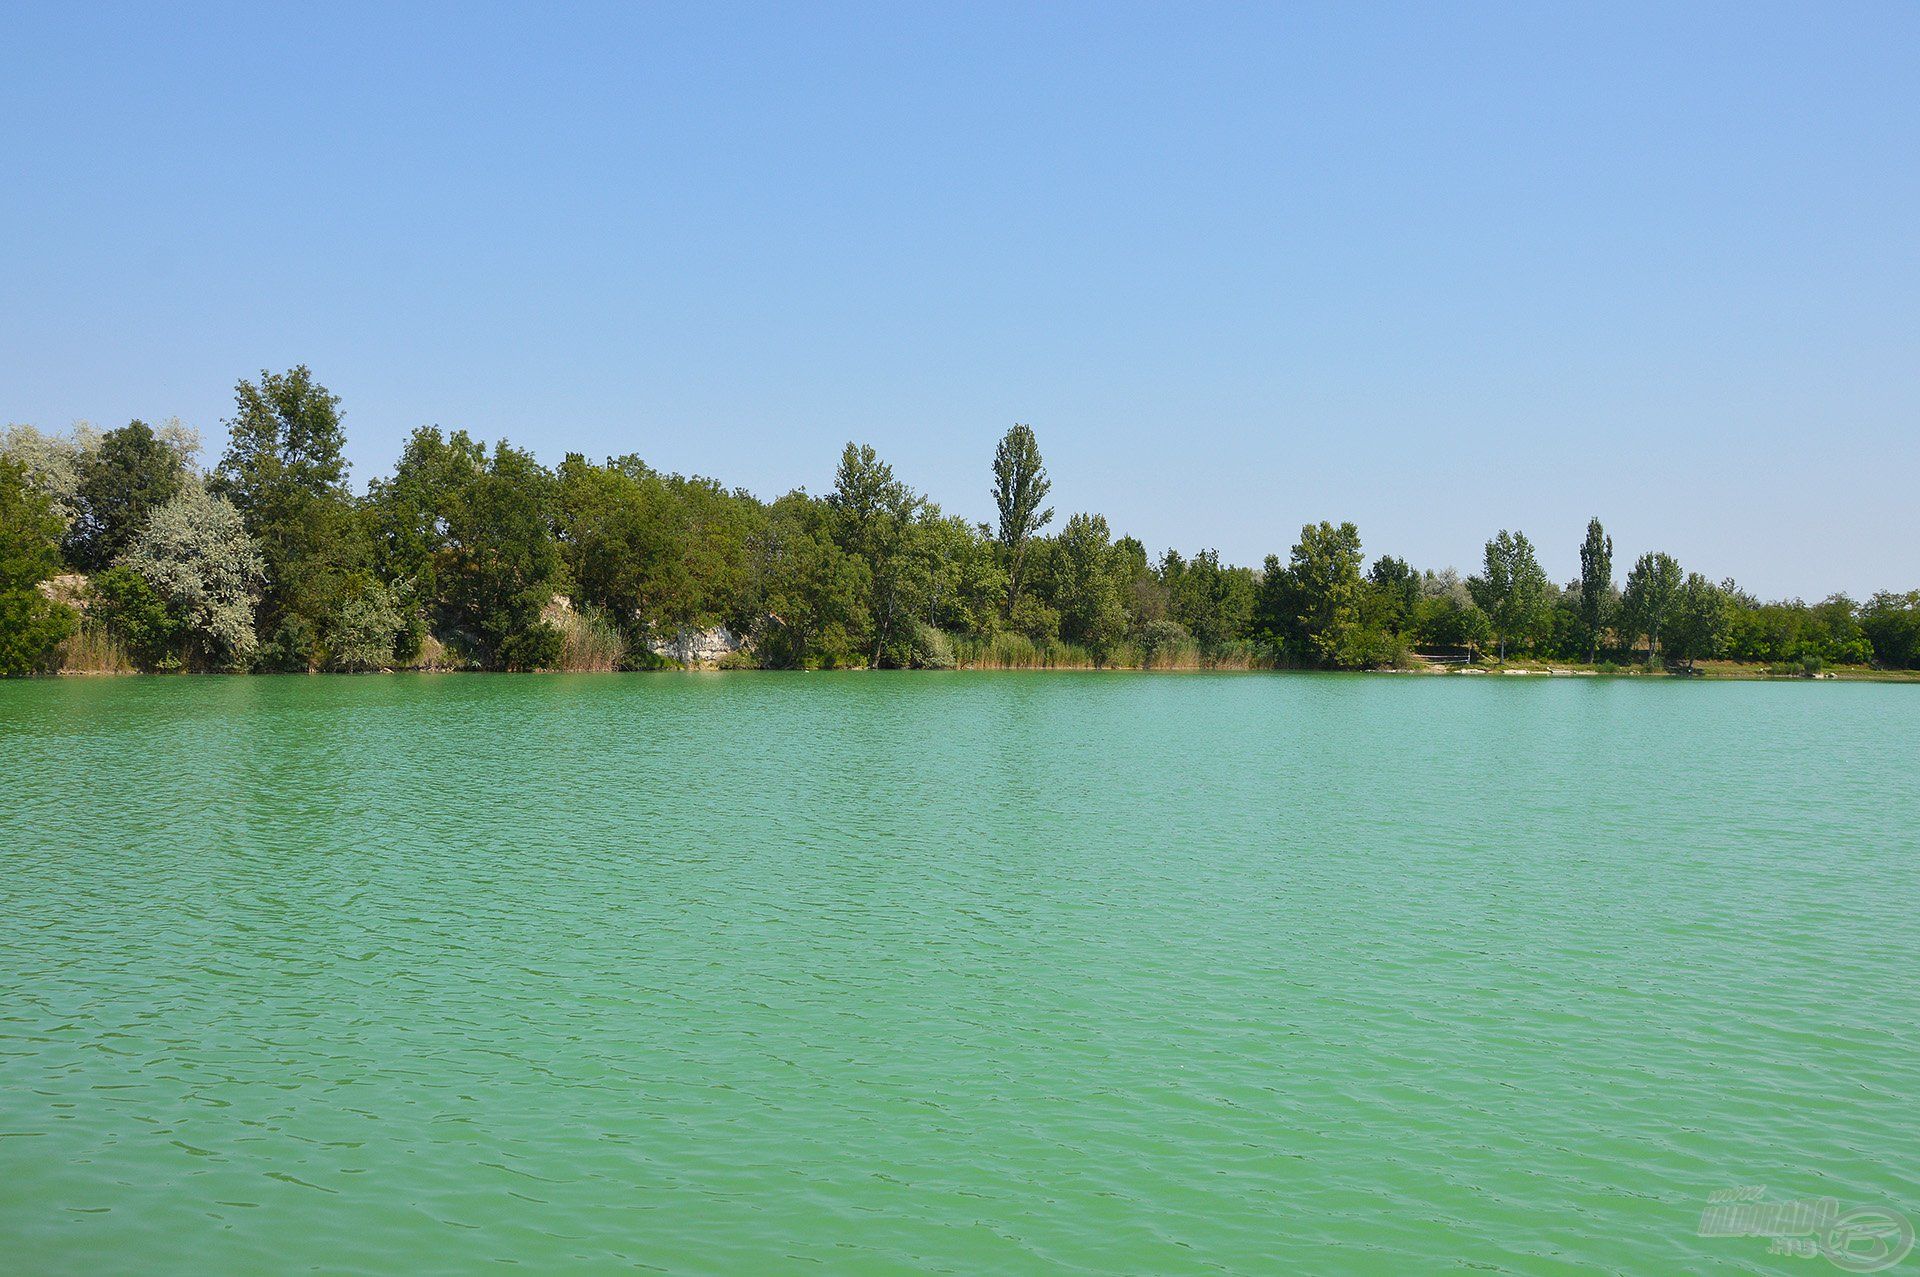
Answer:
(965, 973)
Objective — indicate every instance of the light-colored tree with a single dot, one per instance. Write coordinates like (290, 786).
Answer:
(196, 553)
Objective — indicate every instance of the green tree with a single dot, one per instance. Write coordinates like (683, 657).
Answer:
(500, 564)
(1020, 485)
(1213, 600)
(1312, 606)
(1891, 623)
(1696, 627)
(811, 594)
(1596, 598)
(364, 629)
(146, 622)
(1087, 587)
(1512, 590)
(285, 471)
(968, 586)
(877, 517)
(117, 486)
(31, 625)
(1652, 587)
(1396, 593)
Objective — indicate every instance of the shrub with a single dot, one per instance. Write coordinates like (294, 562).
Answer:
(928, 649)
(539, 647)
(362, 629)
(135, 614)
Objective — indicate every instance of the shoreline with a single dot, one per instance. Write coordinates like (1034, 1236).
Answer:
(1719, 671)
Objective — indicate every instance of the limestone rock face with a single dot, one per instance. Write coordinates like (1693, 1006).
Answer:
(697, 648)
(69, 588)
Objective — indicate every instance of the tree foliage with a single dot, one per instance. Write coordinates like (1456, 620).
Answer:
(1020, 486)
(1512, 589)
(1652, 587)
(30, 623)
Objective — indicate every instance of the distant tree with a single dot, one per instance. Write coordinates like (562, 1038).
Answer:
(285, 471)
(1311, 607)
(968, 587)
(1652, 587)
(1696, 627)
(147, 624)
(877, 518)
(500, 565)
(361, 633)
(1512, 589)
(1396, 593)
(1595, 601)
(52, 462)
(1213, 600)
(811, 594)
(196, 554)
(1092, 613)
(31, 625)
(117, 486)
(1020, 485)
(1891, 623)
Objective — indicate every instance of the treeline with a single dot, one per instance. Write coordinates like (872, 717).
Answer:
(118, 551)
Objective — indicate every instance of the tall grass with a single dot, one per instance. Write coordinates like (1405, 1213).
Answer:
(590, 643)
(1018, 652)
(91, 650)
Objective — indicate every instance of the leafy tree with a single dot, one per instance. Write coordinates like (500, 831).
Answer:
(1891, 624)
(500, 564)
(117, 486)
(626, 543)
(811, 594)
(876, 518)
(1088, 587)
(52, 463)
(1696, 626)
(362, 632)
(1311, 607)
(285, 471)
(410, 509)
(1596, 598)
(1652, 587)
(1395, 594)
(31, 625)
(1512, 590)
(1020, 485)
(1214, 601)
(146, 622)
(968, 584)
(196, 554)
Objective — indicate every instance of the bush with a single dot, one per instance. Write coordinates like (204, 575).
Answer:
(133, 612)
(536, 648)
(928, 649)
(362, 629)
(1161, 641)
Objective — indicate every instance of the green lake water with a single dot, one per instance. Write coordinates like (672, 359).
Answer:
(964, 973)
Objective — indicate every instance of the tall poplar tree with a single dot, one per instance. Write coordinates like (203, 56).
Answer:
(1596, 584)
(1020, 484)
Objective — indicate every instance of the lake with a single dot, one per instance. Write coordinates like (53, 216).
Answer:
(950, 972)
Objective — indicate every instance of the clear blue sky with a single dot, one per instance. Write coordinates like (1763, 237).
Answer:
(1435, 269)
